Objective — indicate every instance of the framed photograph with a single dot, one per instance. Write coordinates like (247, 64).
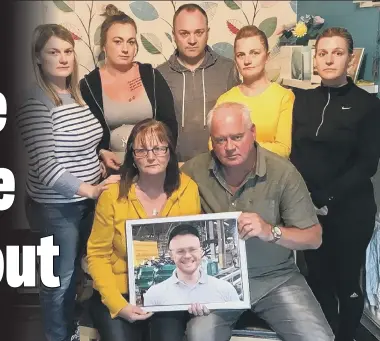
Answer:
(300, 63)
(311, 43)
(176, 261)
(354, 68)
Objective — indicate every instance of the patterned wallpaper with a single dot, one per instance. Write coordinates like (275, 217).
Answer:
(154, 23)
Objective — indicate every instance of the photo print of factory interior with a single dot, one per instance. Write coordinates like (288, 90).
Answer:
(215, 254)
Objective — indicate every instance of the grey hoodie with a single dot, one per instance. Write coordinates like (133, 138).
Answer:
(195, 93)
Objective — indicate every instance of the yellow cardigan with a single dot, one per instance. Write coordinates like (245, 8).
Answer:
(271, 112)
(106, 248)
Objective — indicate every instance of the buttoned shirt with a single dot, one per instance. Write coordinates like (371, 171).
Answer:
(275, 190)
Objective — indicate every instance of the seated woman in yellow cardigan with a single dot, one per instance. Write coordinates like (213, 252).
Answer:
(151, 185)
(271, 104)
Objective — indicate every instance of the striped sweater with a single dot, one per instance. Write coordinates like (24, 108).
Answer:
(61, 145)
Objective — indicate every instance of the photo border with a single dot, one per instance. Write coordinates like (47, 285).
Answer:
(245, 304)
(359, 64)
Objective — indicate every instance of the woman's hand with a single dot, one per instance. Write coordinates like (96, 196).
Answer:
(133, 313)
(98, 189)
(93, 191)
(110, 159)
(198, 309)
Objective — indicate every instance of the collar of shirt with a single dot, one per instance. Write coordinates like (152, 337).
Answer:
(202, 279)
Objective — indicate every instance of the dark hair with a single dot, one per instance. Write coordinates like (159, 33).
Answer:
(189, 8)
(337, 32)
(128, 171)
(182, 230)
(252, 31)
(114, 16)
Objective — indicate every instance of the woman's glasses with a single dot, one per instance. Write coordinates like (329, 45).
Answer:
(158, 151)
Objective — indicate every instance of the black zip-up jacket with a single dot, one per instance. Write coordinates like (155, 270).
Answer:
(158, 92)
(336, 142)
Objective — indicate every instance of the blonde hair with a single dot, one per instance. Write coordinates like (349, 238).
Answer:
(41, 35)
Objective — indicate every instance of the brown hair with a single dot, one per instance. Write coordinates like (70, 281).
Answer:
(114, 16)
(252, 31)
(189, 8)
(128, 171)
(337, 32)
(41, 35)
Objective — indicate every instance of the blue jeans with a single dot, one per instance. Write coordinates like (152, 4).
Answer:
(70, 225)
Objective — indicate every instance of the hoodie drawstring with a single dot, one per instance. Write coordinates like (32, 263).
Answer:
(183, 98)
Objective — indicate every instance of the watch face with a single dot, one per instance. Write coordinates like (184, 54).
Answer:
(277, 231)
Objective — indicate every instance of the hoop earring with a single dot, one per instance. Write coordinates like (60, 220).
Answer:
(134, 165)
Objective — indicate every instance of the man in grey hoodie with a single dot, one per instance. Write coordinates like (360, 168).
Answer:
(197, 76)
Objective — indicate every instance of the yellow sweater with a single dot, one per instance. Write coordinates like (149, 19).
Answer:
(271, 112)
(106, 248)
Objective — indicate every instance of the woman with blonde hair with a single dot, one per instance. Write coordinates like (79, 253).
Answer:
(271, 104)
(151, 185)
(60, 135)
(122, 91)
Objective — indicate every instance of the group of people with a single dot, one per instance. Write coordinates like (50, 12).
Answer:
(110, 147)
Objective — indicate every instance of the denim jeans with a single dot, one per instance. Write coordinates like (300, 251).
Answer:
(293, 312)
(70, 225)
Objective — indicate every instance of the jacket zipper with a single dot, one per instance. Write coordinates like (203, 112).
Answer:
(323, 113)
(99, 108)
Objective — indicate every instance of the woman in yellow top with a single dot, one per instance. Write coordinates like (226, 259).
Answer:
(271, 104)
(151, 185)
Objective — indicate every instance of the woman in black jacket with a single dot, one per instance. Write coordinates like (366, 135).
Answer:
(336, 148)
(123, 92)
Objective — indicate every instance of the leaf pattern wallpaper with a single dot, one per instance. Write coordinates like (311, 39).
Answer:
(154, 23)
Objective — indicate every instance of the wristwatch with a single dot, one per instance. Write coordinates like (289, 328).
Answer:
(276, 232)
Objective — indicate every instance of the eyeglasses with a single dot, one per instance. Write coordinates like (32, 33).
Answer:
(158, 151)
(182, 252)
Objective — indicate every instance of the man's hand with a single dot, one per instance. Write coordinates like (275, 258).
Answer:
(198, 309)
(251, 225)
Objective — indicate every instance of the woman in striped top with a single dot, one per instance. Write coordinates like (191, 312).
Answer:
(60, 135)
